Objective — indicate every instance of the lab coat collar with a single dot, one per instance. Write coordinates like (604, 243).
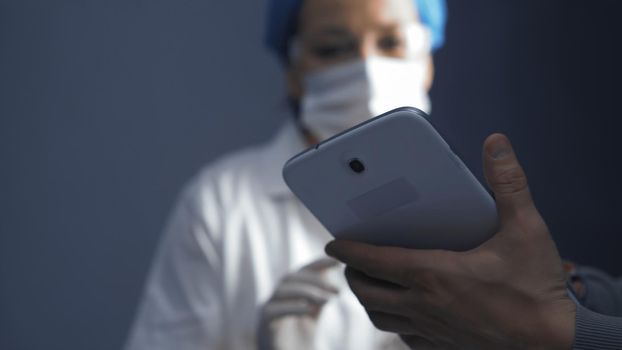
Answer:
(287, 143)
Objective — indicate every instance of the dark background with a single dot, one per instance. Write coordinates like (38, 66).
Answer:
(108, 107)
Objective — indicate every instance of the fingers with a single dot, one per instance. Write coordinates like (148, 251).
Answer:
(376, 295)
(275, 310)
(313, 294)
(392, 264)
(418, 343)
(312, 279)
(321, 265)
(307, 284)
(301, 293)
(390, 323)
(298, 295)
(505, 176)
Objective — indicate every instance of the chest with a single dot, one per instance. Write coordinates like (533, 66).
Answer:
(264, 240)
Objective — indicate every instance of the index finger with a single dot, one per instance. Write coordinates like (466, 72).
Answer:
(321, 264)
(392, 264)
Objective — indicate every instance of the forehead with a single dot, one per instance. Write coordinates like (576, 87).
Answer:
(355, 14)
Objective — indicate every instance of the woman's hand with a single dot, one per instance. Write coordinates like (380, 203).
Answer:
(288, 319)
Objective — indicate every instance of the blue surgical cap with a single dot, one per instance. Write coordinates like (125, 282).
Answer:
(283, 17)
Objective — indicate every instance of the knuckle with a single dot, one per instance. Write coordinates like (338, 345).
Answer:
(360, 292)
(430, 301)
(429, 278)
(430, 274)
(414, 277)
(355, 283)
(510, 180)
(367, 298)
(425, 280)
(368, 302)
(379, 321)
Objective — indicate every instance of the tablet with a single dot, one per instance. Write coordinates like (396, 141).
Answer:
(393, 181)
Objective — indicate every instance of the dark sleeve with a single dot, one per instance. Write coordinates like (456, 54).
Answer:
(603, 293)
(595, 331)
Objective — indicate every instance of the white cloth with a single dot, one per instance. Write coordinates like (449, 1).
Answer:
(235, 232)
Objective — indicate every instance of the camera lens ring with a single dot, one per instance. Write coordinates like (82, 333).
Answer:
(356, 165)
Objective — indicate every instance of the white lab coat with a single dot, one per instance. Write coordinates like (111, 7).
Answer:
(236, 231)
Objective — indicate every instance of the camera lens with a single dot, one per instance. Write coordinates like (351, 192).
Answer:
(357, 166)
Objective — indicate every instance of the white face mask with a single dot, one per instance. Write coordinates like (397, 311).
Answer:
(345, 95)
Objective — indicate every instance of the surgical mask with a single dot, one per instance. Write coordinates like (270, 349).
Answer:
(345, 95)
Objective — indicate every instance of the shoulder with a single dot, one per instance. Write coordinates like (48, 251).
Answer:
(222, 181)
(240, 183)
(250, 173)
(205, 204)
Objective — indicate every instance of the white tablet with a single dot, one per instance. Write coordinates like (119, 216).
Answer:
(393, 181)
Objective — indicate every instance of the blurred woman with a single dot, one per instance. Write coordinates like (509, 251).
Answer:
(241, 264)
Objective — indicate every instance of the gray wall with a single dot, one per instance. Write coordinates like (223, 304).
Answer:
(108, 107)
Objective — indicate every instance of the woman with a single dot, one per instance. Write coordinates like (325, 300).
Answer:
(242, 264)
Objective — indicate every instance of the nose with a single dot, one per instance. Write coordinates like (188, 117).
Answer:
(367, 47)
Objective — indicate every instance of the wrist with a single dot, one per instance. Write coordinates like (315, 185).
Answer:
(559, 328)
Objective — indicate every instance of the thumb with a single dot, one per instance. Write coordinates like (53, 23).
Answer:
(505, 177)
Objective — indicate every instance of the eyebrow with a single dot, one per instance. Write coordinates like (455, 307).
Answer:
(332, 31)
(336, 31)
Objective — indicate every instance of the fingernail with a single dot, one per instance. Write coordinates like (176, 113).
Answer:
(500, 150)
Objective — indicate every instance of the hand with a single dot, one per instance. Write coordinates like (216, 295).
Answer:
(287, 320)
(509, 293)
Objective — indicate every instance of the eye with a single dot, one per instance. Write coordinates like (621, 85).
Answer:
(332, 51)
(390, 43)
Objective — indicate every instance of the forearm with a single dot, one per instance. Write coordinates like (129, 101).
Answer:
(595, 331)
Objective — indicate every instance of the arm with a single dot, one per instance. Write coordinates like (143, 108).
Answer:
(597, 331)
(181, 305)
(601, 298)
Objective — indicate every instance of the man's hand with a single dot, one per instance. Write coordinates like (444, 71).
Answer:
(509, 293)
